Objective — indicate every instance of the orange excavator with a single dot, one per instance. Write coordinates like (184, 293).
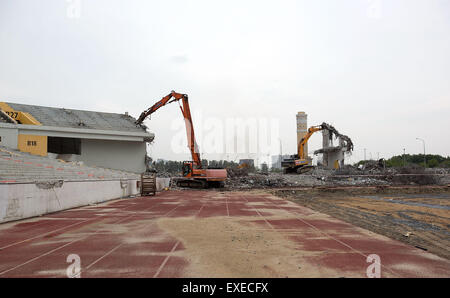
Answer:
(194, 174)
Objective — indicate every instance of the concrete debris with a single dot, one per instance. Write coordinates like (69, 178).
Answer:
(50, 184)
(333, 155)
(348, 144)
(347, 176)
(256, 181)
(372, 173)
(237, 172)
(333, 131)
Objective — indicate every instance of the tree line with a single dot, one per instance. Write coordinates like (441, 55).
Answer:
(432, 161)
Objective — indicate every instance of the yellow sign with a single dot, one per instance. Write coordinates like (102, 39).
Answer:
(21, 117)
(36, 145)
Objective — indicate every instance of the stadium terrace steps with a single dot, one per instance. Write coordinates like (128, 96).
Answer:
(16, 166)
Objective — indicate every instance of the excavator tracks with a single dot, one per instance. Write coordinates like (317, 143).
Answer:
(192, 183)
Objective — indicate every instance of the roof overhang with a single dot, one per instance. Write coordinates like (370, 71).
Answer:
(82, 133)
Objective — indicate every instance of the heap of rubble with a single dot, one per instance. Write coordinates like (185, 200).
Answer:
(373, 173)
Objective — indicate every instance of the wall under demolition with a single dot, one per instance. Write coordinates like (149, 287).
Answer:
(23, 200)
(333, 156)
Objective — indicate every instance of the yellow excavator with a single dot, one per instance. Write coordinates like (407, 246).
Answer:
(299, 163)
(10, 115)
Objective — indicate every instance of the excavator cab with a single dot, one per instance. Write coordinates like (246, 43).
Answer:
(187, 168)
(300, 162)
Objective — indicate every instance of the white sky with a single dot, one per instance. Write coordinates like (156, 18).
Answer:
(378, 70)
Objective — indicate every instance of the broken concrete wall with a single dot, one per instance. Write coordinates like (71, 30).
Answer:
(333, 156)
(325, 144)
(335, 159)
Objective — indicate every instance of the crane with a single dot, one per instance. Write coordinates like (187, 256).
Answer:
(194, 173)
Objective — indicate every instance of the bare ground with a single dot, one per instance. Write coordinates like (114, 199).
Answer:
(419, 216)
(229, 247)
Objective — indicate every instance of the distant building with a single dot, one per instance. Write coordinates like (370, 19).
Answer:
(100, 139)
(276, 160)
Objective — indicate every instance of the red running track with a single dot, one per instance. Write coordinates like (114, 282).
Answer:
(121, 238)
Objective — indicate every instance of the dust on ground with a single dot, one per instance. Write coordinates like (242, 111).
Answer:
(236, 247)
(221, 247)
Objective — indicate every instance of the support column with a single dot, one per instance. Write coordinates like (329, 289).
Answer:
(302, 128)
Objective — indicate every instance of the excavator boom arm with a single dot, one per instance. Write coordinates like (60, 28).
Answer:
(304, 140)
(192, 144)
(185, 110)
(165, 100)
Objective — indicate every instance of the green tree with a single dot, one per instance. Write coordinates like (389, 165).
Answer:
(432, 163)
(433, 160)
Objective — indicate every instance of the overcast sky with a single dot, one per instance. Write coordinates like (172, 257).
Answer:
(379, 71)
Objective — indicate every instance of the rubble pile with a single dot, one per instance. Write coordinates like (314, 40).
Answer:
(162, 174)
(414, 175)
(237, 172)
(254, 180)
(372, 174)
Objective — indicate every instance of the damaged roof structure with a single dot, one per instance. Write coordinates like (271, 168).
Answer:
(109, 140)
(62, 117)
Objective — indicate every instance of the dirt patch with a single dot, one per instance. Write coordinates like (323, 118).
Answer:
(236, 247)
(421, 220)
(360, 190)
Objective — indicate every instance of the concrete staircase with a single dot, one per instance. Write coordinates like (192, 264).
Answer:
(16, 166)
